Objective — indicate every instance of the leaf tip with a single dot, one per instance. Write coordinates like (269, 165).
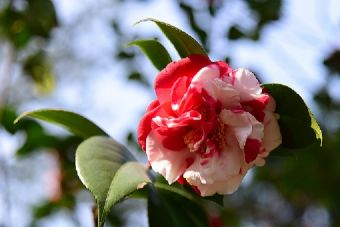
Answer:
(144, 20)
(20, 117)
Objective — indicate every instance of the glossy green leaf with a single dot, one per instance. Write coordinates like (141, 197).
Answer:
(170, 207)
(155, 51)
(183, 43)
(298, 126)
(109, 171)
(73, 122)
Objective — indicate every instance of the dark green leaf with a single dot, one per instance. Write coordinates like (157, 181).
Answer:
(155, 51)
(235, 33)
(125, 55)
(7, 116)
(41, 17)
(108, 170)
(184, 43)
(298, 126)
(75, 123)
(332, 61)
(169, 207)
(136, 76)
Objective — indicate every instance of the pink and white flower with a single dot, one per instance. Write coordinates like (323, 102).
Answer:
(208, 125)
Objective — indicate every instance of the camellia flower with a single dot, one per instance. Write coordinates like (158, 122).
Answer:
(208, 125)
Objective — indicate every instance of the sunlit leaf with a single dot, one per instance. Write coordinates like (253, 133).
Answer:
(183, 43)
(109, 171)
(155, 51)
(73, 122)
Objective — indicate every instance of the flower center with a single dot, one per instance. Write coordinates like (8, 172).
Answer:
(196, 139)
(193, 140)
(218, 135)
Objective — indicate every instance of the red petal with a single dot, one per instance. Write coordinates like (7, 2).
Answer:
(191, 100)
(177, 91)
(182, 180)
(223, 67)
(189, 118)
(257, 104)
(144, 126)
(251, 149)
(173, 138)
(258, 114)
(188, 67)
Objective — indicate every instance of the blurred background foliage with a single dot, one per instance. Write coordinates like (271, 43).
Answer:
(301, 189)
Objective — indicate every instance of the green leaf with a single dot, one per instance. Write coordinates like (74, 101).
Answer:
(108, 170)
(39, 69)
(140, 78)
(155, 51)
(41, 17)
(73, 122)
(7, 116)
(298, 126)
(169, 207)
(183, 43)
(128, 178)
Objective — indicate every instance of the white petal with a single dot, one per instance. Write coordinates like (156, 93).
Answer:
(220, 173)
(170, 164)
(243, 124)
(246, 83)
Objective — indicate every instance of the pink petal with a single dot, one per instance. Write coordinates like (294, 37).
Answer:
(272, 136)
(206, 74)
(271, 105)
(208, 79)
(224, 93)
